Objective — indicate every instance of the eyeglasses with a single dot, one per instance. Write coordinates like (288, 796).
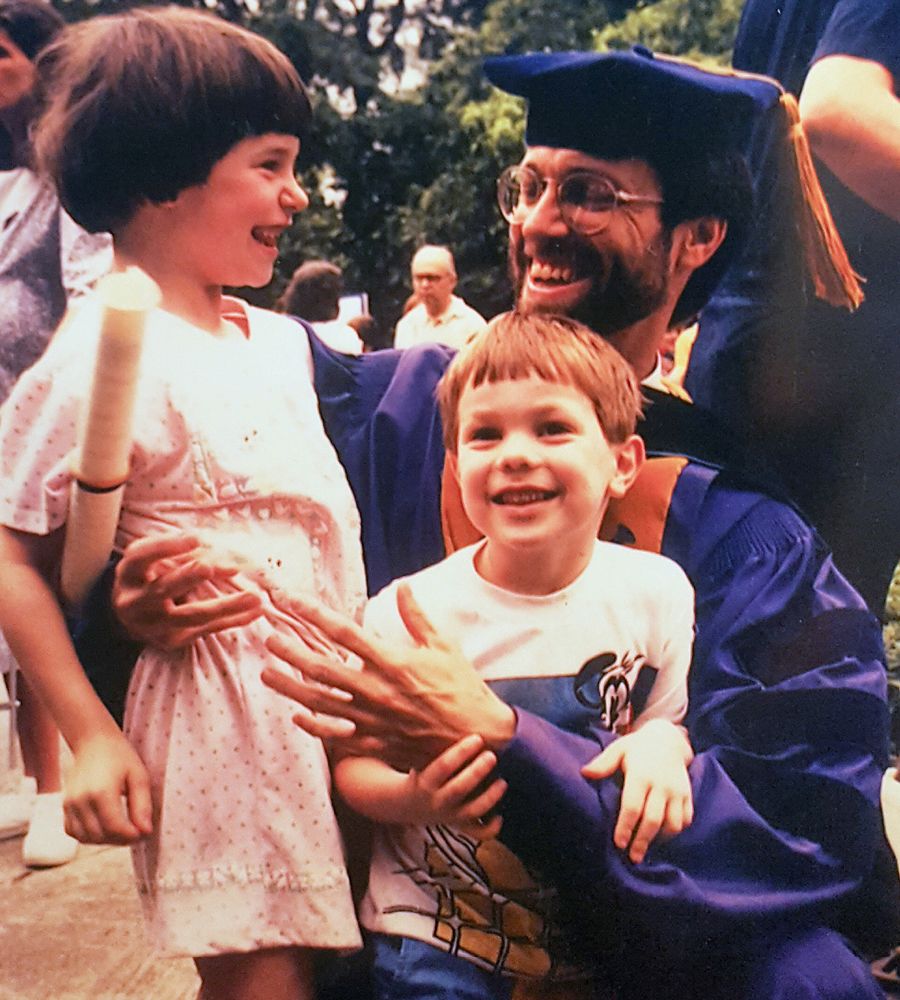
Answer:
(585, 200)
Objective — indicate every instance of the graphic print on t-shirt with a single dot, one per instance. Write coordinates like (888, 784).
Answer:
(615, 686)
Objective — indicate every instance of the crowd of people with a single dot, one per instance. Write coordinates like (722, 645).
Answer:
(566, 644)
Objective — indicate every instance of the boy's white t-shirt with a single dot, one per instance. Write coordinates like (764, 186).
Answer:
(612, 646)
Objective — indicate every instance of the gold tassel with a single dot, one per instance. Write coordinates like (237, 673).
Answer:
(832, 275)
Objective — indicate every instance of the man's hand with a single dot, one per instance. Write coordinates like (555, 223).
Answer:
(451, 790)
(108, 793)
(405, 706)
(656, 797)
(153, 594)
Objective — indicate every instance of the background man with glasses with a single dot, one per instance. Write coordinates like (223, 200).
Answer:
(440, 316)
(624, 212)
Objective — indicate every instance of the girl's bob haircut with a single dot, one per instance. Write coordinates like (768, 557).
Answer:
(518, 345)
(139, 106)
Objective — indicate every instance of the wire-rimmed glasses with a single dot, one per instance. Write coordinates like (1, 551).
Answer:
(585, 199)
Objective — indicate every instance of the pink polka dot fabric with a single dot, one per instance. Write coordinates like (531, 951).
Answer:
(229, 445)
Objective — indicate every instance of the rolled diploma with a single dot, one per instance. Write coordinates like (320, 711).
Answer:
(104, 451)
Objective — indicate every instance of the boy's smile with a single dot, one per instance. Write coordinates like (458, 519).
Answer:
(536, 472)
(521, 497)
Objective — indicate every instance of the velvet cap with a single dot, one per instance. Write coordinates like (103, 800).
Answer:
(640, 105)
(617, 105)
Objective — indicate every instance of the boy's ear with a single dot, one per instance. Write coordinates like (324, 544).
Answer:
(630, 456)
(696, 240)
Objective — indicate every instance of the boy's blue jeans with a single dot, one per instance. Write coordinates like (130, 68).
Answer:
(406, 969)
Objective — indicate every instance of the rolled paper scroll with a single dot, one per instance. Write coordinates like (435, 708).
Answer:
(104, 450)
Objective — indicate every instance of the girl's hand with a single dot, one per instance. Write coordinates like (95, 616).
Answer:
(108, 793)
(455, 788)
(656, 795)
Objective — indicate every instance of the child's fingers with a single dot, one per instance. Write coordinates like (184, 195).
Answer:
(679, 815)
(75, 826)
(482, 831)
(605, 763)
(483, 803)
(100, 820)
(631, 809)
(442, 769)
(140, 803)
(463, 785)
(115, 824)
(650, 824)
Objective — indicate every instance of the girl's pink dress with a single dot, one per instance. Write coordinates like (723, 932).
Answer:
(229, 445)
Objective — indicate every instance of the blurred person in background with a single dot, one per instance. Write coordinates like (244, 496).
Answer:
(46, 262)
(314, 294)
(813, 384)
(439, 316)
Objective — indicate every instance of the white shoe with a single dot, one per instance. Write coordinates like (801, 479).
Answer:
(47, 844)
(15, 810)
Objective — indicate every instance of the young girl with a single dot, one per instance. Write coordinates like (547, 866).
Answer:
(178, 133)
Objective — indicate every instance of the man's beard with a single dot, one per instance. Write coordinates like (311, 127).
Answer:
(625, 295)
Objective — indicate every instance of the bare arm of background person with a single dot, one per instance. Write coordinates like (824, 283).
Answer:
(852, 118)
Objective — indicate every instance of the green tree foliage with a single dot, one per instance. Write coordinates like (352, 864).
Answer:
(695, 29)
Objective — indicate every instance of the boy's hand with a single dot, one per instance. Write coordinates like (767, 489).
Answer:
(105, 771)
(451, 789)
(656, 795)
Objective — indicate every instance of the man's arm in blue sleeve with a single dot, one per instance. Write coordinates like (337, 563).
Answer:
(106, 653)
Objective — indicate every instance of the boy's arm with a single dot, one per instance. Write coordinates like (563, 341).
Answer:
(372, 788)
(654, 756)
(106, 767)
(455, 788)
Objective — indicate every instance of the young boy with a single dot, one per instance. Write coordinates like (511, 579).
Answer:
(539, 417)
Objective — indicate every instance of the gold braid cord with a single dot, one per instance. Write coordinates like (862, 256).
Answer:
(833, 277)
(829, 268)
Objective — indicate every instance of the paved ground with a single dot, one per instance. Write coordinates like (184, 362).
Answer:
(75, 932)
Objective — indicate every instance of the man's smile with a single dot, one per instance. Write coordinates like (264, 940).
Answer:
(556, 275)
